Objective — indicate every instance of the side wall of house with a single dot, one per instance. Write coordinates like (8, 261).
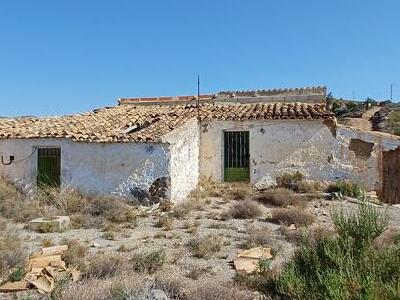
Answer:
(317, 150)
(184, 148)
(90, 167)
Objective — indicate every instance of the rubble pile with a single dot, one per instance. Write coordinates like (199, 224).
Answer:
(42, 271)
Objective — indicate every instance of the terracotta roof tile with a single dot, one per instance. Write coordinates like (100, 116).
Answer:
(148, 123)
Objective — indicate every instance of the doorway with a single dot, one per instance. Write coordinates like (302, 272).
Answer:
(236, 156)
(49, 167)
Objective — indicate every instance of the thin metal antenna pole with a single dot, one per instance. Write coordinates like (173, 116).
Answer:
(391, 92)
(198, 97)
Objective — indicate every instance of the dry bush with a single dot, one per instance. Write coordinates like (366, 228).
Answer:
(47, 243)
(3, 224)
(237, 192)
(197, 272)
(103, 266)
(206, 246)
(245, 209)
(67, 201)
(282, 197)
(165, 221)
(192, 227)
(165, 205)
(76, 254)
(113, 209)
(212, 289)
(14, 205)
(183, 208)
(123, 287)
(292, 215)
(148, 262)
(259, 236)
(12, 253)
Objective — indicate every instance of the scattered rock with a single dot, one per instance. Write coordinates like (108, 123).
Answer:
(248, 260)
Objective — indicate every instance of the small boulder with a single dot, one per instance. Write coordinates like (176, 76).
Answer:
(50, 224)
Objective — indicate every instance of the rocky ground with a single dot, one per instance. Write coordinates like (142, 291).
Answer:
(175, 231)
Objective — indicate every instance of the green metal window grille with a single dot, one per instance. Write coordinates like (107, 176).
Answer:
(236, 156)
(48, 167)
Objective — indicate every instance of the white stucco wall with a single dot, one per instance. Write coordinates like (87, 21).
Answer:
(184, 149)
(90, 167)
(286, 145)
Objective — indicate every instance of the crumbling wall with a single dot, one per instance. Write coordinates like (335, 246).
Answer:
(184, 148)
(122, 168)
(319, 151)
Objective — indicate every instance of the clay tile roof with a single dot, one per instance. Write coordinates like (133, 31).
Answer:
(148, 123)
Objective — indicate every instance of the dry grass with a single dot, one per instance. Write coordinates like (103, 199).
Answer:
(104, 266)
(183, 208)
(165, 222)
(293, 215)
(282, 197)
(47, 243)
(76, 254)
(212, 289)
(148, 262)
(67, 201)
(14, 205)
(113, 209)
(12, 253)
(206, 246)
(245, 209)
(259, 236)
(3, 224)
(237, 192)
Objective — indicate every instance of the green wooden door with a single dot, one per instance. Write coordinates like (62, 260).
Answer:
(48, 167)
(236, 156)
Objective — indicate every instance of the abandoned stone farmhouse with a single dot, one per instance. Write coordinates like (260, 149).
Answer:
(143, 146)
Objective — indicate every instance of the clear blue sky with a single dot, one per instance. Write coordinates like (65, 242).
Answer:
(59, 57)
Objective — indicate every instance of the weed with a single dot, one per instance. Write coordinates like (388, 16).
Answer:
(292, 215)
(76, 254)
(148, 262)
(17, 274)
(346, 265)
(103, 266)
(258, 236)
(345, 188)
(206, 246)
(12, 253)
(246, 209)
(290, 180)
(47, 243)
(166, 222)
(282, 197)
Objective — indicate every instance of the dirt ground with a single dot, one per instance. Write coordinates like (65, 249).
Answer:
(175, 239)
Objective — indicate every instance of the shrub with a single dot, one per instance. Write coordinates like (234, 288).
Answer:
(290, 180)
(148, 262)
(103, 266)
(182, 209)
(258, 236)
(245, 209)
(12, 253)
(206, 246)
(112, 208)
(344, 266)
(67, 200)
(76, 254)
(165, 222)
(345, 188)
(17, 274)
(14, 205)
(212, 289)
(281, 197)
(238, 192)
(292, 215)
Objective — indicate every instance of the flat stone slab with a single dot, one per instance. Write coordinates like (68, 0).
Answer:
(50, 224)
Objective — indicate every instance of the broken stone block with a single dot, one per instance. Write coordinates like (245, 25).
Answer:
(50, 224)
(247, 261)
(15, 286)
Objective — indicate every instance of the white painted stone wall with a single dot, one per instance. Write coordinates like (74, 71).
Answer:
(184, 148)
(286, 145)
(90, 167)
